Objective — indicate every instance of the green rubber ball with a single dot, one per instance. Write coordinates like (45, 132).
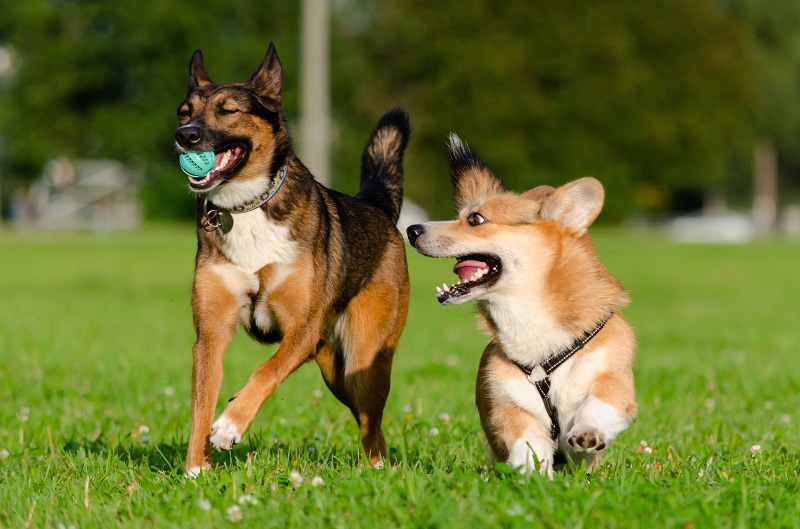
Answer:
(197, 164)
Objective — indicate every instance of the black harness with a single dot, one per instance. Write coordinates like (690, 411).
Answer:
(550, 365)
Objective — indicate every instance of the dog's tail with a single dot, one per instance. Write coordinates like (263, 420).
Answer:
(382, 163)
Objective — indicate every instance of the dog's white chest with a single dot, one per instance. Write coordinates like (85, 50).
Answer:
(255, 242)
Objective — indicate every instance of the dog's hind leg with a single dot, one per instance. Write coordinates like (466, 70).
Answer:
(216, 313)
(371, 328)
(331, 364)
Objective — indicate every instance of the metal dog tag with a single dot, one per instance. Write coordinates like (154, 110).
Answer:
(225, 220)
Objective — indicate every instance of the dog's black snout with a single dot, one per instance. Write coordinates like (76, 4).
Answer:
(414, 231)
(189, 136)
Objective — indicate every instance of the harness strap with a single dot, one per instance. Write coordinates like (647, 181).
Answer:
(550, 365)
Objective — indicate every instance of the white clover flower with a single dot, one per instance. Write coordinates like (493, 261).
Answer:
(786, 418)
(169, 391)
(24, 414)
(317, 394)
(4, 454)
(768, 405)
(648, 450)
(143, 429)
(295, 478)
(755, 449)
(515, 510)
(643, 443)
(234, 513)
(247, 499)
(317, 481)
(444, 417)
(407, 408)
(203, 504)
(434, 431)
(710, 404)
(379, 465)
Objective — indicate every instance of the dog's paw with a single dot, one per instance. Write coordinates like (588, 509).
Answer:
(586, 439)
(224, 434)
(194, 472)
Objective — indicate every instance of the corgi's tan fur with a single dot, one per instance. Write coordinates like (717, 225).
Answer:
(539, 286)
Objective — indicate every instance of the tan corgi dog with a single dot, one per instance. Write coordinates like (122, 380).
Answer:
(556, 377)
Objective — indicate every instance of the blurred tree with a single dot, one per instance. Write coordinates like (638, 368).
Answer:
(646, 96)
(775, 30)
(99, 79)
(650, 97)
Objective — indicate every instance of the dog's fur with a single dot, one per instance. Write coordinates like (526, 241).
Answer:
(543, 288)
(322, 272)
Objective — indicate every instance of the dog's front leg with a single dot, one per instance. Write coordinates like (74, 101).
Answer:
(532, 447)
(216, 313)
(602, 416)
(298, 346)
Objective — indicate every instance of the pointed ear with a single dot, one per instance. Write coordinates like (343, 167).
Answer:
(471, 177)
(537, 193)
(197, 72)
(575, 205)
(268, 79)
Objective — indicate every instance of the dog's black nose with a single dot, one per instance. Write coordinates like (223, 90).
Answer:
(414, 231)
(188, 136)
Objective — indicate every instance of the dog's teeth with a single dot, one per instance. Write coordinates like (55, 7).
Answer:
(438, 290)
(446, 288)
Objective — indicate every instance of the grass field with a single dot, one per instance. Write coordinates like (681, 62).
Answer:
(95, 350)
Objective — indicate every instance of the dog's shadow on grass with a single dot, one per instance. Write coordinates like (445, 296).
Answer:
(168, 457)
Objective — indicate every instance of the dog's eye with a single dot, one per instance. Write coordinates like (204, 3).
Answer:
(473, 219)
(184, 112)
(227, 111)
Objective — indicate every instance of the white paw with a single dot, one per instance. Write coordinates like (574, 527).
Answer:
(531, 454)
(224, 434)
(194, 472)
(585, 438)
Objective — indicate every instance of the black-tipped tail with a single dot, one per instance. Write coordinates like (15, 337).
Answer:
(382, 163)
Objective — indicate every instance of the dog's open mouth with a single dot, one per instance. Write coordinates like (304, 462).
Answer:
(473, 270)
(226, 162)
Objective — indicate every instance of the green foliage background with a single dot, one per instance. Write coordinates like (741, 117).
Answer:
(651, 97)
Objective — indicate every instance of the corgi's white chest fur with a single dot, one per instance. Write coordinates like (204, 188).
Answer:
(255, 242)
(529, 335)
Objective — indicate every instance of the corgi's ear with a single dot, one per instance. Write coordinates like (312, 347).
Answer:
(471, 176)
(197, 72)
(538, 193)
(268, 79)
(575, 205)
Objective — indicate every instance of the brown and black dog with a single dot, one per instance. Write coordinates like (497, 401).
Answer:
(322, 272)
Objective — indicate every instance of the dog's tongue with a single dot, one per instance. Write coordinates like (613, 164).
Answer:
(466, 269)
